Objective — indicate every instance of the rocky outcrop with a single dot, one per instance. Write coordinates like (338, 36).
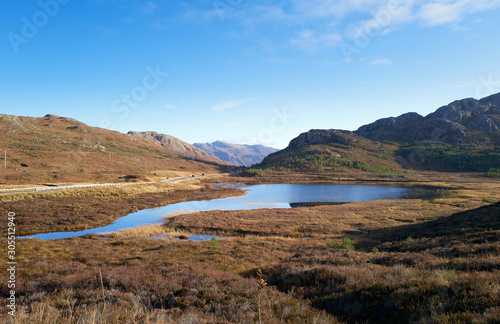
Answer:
(176, 145)
(320, 136)
(245, 155)
(462, 121)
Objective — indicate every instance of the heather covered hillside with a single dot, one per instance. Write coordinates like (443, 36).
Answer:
(54, 149)
(334, 152)
(463, 136)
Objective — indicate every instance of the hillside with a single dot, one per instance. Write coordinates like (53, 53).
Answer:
(467, 121)
(461, 136)
(245, 155)
(176, 145)
(54, 149)
(334, 152)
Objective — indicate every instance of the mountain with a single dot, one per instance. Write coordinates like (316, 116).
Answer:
(176, 145)
(235, 153)
(467, 121)
(332, 151)
(461, 136)
(54, 149)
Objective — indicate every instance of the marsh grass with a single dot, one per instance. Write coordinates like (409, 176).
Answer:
(79, 210)
(448, 273)
(333, 221)
(109, 191)
(148, 232)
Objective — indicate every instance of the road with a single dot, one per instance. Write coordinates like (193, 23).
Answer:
(21, 190)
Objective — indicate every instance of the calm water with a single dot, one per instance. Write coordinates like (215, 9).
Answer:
(257, 197)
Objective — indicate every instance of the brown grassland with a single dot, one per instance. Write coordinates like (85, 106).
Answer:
(58, 150)
(79, 209)
(393, 261)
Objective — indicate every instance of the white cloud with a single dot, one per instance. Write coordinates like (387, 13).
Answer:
(311, 40)
(382, 61)
(332, 8)
(390, 14)
(448, 12)
(441, 13)
(169, 106)
(230, 104)
(329, 21)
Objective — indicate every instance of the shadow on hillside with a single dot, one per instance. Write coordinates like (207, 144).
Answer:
(220, 167)
(479, 224)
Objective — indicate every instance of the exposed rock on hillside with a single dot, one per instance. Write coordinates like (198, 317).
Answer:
(176, 145)
(462, 121)
(320, 136)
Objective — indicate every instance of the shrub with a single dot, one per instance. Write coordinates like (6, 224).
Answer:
(346, 244)
(335, 245)
(214, 242)
(493, 173)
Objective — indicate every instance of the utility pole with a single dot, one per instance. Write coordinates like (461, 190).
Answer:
(5, 159)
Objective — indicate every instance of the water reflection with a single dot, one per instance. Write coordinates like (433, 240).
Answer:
(264, 196)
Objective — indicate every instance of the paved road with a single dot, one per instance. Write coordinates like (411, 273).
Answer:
(21, 190)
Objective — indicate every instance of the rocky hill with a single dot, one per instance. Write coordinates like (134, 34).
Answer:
(176, 145)
(238, 154)
(333, 151)
(54, 149)
(320, 136)
(467, 121)
(461, 136)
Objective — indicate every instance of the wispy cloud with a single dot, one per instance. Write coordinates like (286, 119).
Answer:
(389, 14)
(382, 61)
(230, 104)
(312, 41)
(147, 8)
(330, 22)
(446, 12)
(326, 17)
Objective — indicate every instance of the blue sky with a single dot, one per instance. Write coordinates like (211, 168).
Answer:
(257, 72)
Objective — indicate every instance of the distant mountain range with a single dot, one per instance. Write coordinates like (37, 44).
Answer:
(176, 145)
(238, 154)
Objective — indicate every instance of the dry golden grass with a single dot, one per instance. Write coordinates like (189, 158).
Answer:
(83, 209)
(111, 191)
(148, 231)
(148, 281)
(145, 231)
(330, 221)
(448, 272)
